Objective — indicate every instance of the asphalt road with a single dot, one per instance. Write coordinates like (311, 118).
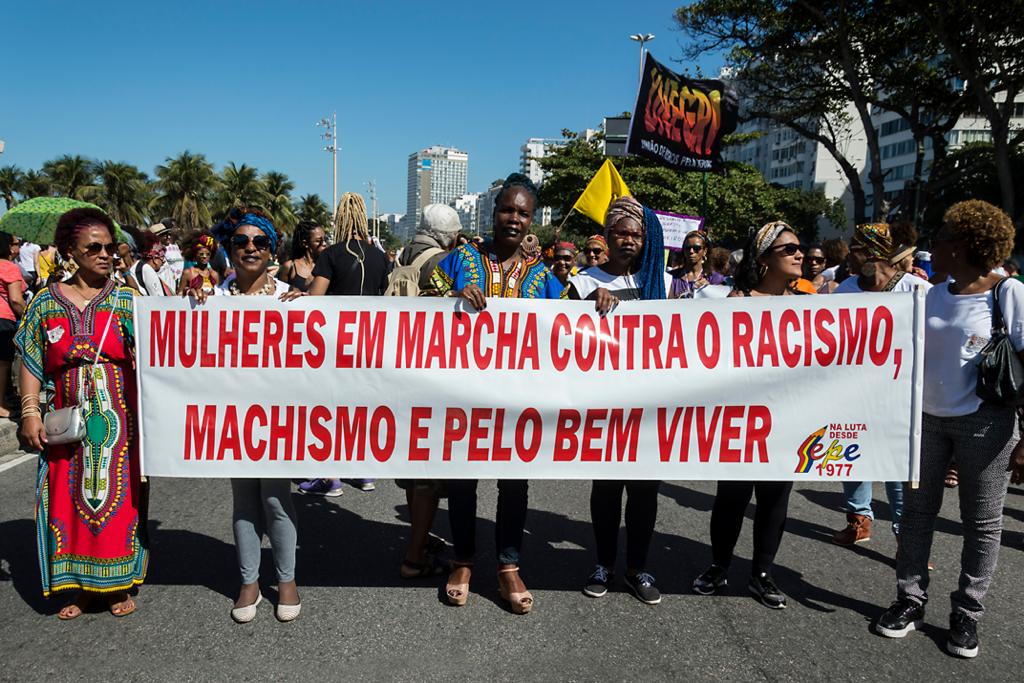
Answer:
(361, 621)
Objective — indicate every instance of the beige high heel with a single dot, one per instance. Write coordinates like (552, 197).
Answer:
(457, 593)
(521, 602)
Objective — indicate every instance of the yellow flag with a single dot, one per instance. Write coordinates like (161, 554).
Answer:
(604, 188)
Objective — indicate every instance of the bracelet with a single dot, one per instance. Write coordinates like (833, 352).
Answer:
(29, 397)
(31, 412)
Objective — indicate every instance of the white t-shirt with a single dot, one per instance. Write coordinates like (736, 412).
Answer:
(906, 284)
(956, 328)
(625, 287)
(829, 274)
(150, 280)
(224, 288)
(27, 256)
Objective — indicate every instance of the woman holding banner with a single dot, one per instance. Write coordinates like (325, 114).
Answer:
(258, 505)
(634, 271)
(961, 315)
(77, 339)
(475, 272)
(772, 263)
(694, 273)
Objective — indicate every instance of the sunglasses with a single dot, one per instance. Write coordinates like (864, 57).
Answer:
(816, 259)
(594, 252)
(94, 248)
(261, 242)
(788, 249)
(693, 247)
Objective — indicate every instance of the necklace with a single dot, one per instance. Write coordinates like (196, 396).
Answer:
(266, 290)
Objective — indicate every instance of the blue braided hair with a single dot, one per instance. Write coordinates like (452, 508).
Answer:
(241, 215)
(652, 260)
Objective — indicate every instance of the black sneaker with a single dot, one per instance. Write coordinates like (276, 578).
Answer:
(598, 582)
(710, 581)
(642, 586)
(765, 590)
(963, 636)
(902, 617)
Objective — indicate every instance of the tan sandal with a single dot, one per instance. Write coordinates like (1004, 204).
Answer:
(457, 593)
(76, 607)
(121, 608)
(521, 602)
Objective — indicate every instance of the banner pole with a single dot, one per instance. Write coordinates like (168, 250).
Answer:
(918, 391)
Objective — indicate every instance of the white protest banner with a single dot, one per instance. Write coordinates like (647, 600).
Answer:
(675, 227)
(804, 388)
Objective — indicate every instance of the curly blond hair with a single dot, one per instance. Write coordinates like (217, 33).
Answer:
(985, 230)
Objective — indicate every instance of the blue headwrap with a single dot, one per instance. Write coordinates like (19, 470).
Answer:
(227, 227)
(652, 260)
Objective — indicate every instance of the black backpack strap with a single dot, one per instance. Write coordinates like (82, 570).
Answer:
(998, 323)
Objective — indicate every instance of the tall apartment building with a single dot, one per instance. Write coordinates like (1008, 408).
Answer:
(485, 207)
(437, 175)
(467, 206)
(534, 149)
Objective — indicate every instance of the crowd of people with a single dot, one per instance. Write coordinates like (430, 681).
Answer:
(66, 310)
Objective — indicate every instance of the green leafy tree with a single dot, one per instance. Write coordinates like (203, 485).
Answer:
(35, 184)
(11, 183)
(71, 176)
(970, 172)
(186, 186)
(277, 191)
(313, 209)
(239, 185)
(123, 191)
(736, 200)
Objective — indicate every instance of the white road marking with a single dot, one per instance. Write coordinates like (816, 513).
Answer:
(17, 461)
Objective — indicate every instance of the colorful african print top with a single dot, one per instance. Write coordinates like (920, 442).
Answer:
(90, 507)
(471, 264)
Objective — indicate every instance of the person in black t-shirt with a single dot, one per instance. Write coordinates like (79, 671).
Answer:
(353, 266)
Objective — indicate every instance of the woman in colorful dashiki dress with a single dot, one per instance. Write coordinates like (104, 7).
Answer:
(475, 272)
(90, 502)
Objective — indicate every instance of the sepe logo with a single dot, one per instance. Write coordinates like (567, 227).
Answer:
(831, 450)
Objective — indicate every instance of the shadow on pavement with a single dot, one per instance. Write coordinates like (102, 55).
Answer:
(178, 557)
(18, 552)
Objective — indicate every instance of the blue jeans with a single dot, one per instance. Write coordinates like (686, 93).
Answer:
(858, 500)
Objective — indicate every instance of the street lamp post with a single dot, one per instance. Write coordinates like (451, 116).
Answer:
(642, 38)
(330, 136)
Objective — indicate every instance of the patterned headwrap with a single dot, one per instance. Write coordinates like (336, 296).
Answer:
(875, 239)
(236, 217)
(569, 246)
(158, 250)
(767, 235)
(203, 241)
(599, 240)
(624, 207)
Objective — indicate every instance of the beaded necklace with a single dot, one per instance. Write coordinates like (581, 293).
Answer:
(266, 290)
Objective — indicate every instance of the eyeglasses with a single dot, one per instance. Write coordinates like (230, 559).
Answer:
(788, 249)
(816, 259)
(693, 247)
(593, 252)
(261, 242)
(94, 248)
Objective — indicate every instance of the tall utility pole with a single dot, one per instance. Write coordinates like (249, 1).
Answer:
(330, 136)
(373, 202)
(642, 38)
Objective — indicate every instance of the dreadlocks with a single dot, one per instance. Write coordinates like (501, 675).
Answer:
(350, 221)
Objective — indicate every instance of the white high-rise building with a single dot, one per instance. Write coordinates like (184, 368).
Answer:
(467, 206)
(437, 175)
(531, 151)
(485, 207)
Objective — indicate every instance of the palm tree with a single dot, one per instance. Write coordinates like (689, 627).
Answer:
(278, 191)
(313, 210)
(186, 184)
(123, 192)
(11, 183)
(239, 185)
(35, 184)
(71, 176)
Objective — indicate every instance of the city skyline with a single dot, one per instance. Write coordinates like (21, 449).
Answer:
(395, 88)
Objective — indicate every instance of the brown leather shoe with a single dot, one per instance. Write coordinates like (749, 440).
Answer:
(858, 530)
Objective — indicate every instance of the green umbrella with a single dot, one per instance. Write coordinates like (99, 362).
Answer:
(36, 219)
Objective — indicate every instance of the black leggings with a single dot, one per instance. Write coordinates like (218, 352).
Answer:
(513, 500)
(769, 520)
(641, 514)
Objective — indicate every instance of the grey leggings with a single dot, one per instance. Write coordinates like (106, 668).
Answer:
(264, 506)
(981, 443)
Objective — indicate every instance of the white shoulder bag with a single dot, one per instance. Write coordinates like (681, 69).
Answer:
(67, 425)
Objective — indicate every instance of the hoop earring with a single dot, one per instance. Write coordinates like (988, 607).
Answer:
(761, 271)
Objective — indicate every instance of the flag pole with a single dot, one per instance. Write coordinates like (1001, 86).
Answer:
(558, 230)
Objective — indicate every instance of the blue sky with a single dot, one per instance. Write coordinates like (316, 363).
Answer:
(246, 81)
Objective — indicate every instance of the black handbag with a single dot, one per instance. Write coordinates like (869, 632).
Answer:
(1000, 372)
